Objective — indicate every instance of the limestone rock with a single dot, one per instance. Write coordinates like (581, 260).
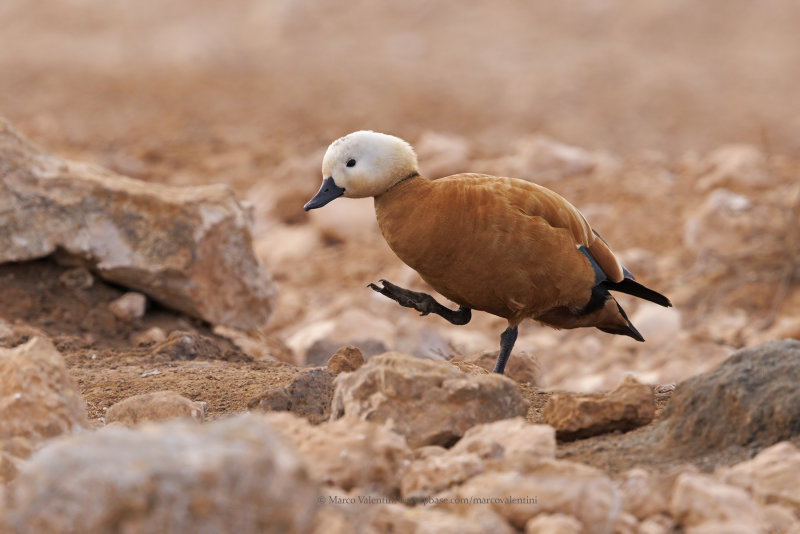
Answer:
(129, 306)
(428, 402)
(698, 499)
(553, 524)
(38, 398)
(554, 487)
(426, 520)
(233, 475)
(345, 360)
(509, 444)
(188, 248)
(751, 399)
(309, 395)
(156, 406)
(522, 368)
(428, 476)
(771, 477)
(574, 416)
(646, 494)
(348, 452)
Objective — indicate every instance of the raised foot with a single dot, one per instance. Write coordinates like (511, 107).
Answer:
(422, 302)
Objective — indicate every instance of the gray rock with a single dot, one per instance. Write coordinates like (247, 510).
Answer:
(234, 475)
(188, 248)
(752, 399)
(309, 395)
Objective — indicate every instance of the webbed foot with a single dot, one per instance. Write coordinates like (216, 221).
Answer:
(422, 302)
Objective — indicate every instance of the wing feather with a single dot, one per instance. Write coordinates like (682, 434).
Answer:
(536, 200)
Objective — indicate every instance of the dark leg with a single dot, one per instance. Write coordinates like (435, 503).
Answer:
(507, 340)
(423, 303)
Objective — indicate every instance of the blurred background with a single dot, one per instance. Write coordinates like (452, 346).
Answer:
(673, 124)
(667, 75)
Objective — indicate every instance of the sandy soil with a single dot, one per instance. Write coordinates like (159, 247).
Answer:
(249, 93)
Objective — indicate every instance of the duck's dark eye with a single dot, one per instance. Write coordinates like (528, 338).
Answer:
(351, 163)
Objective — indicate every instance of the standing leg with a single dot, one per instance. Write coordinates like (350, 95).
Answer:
(507, 340)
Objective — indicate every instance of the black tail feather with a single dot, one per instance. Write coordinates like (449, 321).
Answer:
(636, 289)
(629, 331)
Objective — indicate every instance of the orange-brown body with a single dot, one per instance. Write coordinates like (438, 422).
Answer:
(500, 245)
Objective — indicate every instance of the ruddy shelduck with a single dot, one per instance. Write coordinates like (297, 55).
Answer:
(500, 245)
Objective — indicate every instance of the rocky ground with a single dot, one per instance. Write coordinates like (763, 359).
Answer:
(127, 303)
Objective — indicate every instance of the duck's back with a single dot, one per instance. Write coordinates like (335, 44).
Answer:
(500, 245)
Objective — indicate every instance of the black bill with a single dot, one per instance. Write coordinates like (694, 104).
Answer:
(326, 193)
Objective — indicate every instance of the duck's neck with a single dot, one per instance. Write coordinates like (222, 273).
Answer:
(414, 174)
(396, 211)
(407, 185)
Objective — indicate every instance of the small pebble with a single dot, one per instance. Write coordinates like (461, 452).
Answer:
(129, 306)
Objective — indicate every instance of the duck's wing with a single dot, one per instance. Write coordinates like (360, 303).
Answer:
(606, 260)
(559, 213)
(537, 201)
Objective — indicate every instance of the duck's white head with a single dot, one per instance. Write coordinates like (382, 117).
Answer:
(363, 164)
